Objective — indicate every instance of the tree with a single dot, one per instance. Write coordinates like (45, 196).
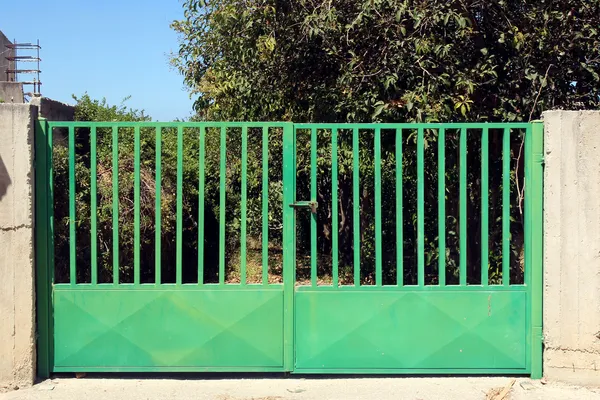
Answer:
(392, 61)
(389, 60)
(88, 109)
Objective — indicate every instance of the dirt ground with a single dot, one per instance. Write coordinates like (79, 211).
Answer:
(99, 387)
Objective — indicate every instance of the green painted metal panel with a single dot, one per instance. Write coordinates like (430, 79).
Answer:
(115, 202)
(534, 175)
(50, 242)
(170, 369)
(411, 330)
(289, 242)
(201, 177)
(93, 206)
(426, 125)
(222, 197)
(179, 235)
(409, 288)
(43, 262)
(506, 207)
(163, 328)
(378, 225)
(442, 206)
(72, 215)
(265, 205)
(399, 216)
(420, 207)
(412, 371)
(484, 207)
(355, 205)
(282, 327)
(463, 207)
(136, 202)
(157, 208)
(334, 208)
(244, 206)
(313, 197)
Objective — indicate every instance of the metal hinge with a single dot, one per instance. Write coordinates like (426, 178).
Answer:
(539, 159)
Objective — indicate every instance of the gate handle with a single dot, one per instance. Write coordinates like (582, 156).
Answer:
(313, 205)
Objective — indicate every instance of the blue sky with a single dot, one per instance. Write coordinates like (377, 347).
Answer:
(109, 48)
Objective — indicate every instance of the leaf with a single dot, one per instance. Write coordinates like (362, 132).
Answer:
(446, 18)
(379, 107)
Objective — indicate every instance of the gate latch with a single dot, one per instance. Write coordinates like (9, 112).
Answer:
(313, 205)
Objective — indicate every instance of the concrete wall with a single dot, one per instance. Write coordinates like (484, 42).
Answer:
(572, 246)
(53, 110)
(17, 294)
(5, 52)
(12, 92)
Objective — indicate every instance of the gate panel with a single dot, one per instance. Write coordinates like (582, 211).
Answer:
(411, 331)
(168, 329)
(452, 291)
(118, 300)
(429, 300)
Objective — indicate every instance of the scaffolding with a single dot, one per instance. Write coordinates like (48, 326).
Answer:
(25, 53)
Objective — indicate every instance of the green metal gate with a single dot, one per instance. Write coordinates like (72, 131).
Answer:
(394, 305)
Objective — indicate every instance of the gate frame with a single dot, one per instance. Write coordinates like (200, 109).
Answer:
(534, 239)
(44, 226)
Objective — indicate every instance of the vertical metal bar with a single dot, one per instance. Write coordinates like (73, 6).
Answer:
(93, 205)
(378, 226)
(157, 211)
(313, 197)
(484, 206)
(136, 206)
(334, 207)
(420, 207)
(356, 204)
(50, 241)
(222, 188)
(442, 206)
(265, 205)
(399, 211)
(463, 208)
(201, 157)
(179, 238)
(43, 263)
(506, 207)
(534, 198)
(289, 243)
(72, 216)
(244, 208)
(115, 202)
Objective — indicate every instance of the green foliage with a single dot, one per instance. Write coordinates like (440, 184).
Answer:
(389, 60)
(342, 61)
(395, 61)
(88, 109)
